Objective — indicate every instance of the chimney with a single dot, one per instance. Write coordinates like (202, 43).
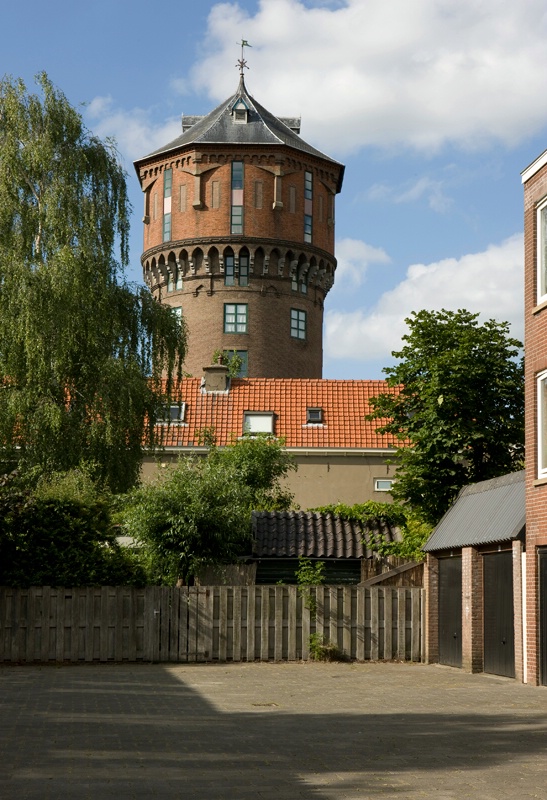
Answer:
(215, 378)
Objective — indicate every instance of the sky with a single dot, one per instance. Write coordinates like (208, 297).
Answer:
(434, 106)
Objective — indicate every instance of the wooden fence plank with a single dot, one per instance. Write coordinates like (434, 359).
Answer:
(192, 623)
(278, 621)
(182, 654)
(306, 629)
(222, 623)
(251, 623)
(388, 623)
(265, 623)
(291, 649)
(236, 623)
(415, 627)
(374, 624)
(333, 616)
(401, 624)
(360, 631)
(346, 615)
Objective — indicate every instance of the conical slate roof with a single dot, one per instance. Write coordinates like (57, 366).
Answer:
(220, 127)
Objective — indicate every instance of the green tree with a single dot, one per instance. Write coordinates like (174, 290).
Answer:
(60, 533)
(198, 512)
(457, 407)
(82, 352)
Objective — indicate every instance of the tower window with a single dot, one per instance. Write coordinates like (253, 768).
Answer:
(167, 188)
(307, 227)
(229, 271)
(235, 318)
(236, 219)
(244, 270)
(298, 324)
(236, 225)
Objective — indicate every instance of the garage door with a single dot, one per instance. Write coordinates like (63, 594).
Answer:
(499, 620)
(450, 611)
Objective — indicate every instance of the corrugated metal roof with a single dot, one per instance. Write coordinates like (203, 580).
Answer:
(289, 534)
(345, 405)
(262, 127)
(483, 513)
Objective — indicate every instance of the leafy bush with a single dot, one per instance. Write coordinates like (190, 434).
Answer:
(52, 536)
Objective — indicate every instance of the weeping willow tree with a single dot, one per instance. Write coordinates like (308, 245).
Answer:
(84, 355)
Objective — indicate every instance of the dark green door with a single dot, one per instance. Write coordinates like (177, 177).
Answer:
(499, 620)
(450, 611)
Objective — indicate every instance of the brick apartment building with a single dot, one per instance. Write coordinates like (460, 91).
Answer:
(534, 179)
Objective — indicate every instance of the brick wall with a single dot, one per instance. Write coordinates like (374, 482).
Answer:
(273, 237)
(472, 611)
(431, 627)
(535, 190)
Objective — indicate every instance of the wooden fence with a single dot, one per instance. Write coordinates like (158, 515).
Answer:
(220, 623)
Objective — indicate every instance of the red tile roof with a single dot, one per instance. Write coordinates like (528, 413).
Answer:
(345, 404)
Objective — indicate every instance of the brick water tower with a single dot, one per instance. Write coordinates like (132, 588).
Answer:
(239, 235)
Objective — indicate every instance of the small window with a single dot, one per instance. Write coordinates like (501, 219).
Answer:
(172, 414)
(236, 224)
(383, 484)
(166, 227)
(298, 324)
(258, 422)
(314, 416)
(308, 185)
(235, 318)
(307, 227)
(240, 115)
(177, 311)
(237, 174)
(243, 270)
(229, 271)
(542, 253)
(542, 424)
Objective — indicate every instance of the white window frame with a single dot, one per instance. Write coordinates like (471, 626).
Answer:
(541, 255)
(314, 415)
(173, 414)
(378, 481)
(541, 414)
(255, 422)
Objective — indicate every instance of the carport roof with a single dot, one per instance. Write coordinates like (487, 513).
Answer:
(485, 512)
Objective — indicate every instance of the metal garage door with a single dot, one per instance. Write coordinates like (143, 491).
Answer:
(450, 611)
(499, 621)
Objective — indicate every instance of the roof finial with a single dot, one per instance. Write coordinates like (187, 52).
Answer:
(242, 64)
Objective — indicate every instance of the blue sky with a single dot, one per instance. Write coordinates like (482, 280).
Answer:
(434, 106)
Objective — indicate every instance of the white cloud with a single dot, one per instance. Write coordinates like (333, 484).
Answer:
(135, 133)
(489, 282)
(388, 72)
(354, 257)
(432, 190)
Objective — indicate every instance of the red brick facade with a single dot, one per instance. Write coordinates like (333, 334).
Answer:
(285, 271)
(535, 336)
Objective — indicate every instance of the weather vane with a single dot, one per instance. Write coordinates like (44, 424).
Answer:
(242, 64)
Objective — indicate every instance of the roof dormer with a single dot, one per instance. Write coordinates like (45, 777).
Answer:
(240, 111)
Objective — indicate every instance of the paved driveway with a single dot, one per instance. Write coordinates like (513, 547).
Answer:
(276, 731)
